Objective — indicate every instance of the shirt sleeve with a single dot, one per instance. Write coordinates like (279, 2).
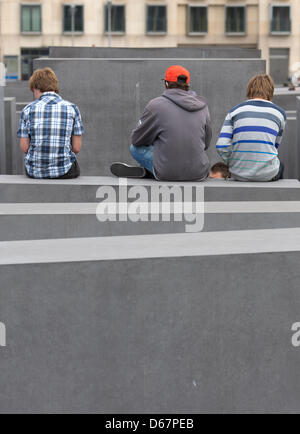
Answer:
(224, 143)
(280, 134)
(146, 131)
(208, 131)
(24, 125)
(78, 129)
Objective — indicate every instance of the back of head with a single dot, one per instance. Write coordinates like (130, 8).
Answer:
(178, 84)
(177, 77)
(261, 86)
(220, 169)
(44, 80)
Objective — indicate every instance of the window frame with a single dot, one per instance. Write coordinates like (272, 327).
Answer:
(151, 32)
(231, 6)
(189, 8)
(117, 32)
(276, 32)
(69, 32)
(26, 32)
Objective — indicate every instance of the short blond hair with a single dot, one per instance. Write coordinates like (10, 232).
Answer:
(44, 80)
(261, 86)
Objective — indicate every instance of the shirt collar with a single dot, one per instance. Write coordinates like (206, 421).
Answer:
(49, 95)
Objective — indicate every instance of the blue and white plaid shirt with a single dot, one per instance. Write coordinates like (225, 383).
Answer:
(49, 123)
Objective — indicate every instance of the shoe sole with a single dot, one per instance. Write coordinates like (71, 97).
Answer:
(122, 170)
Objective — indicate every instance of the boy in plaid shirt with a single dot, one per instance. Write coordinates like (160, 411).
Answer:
(50, 130)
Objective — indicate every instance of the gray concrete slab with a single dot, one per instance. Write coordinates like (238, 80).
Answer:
(149, 246)
(2, 131)
(298, 131)
(19, 90)
(52, 226)
(32, 209)
(14, 158)
(108, 100)
(20, 189)
(288, 149)
(112, 180)
(286, 99)
(10, 132)
(193, 333)
(180, 52)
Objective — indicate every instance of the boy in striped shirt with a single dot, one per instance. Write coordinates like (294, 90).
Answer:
(251, 134)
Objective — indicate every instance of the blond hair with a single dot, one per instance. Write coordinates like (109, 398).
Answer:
(261, 86)
(44, 80)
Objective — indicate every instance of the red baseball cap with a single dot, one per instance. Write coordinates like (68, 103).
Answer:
(173, 72)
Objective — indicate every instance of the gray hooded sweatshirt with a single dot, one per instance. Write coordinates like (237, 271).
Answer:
(178, 125)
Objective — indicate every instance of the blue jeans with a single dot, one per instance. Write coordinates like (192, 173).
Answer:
(143, 155)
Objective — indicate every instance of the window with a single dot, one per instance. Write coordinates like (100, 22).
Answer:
(68, 18)
(12, 67)
(235, 19)
(197, 20)
(27, 57)
(117, 18)
(280, 19)
(31, 20)
(156, 19)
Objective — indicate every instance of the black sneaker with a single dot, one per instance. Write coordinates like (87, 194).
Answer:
(122, 170)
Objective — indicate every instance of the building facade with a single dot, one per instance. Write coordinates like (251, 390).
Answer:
(29, 27)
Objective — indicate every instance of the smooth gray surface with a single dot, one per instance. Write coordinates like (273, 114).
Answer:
(14, 156)
(10, 132)
(20, 189)
(286, 98)
(179, 52)
(149, 246)
(108, 100)
(298, 131)
(32, 209)
(163, 335)
(2, 133)
(19, 90)
(288, 150)
(46, 226)
(279, 64)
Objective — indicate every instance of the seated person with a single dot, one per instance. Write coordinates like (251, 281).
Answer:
(252, 133)
(294, 81)
(50, 130)
(219, 171)
(172, 135)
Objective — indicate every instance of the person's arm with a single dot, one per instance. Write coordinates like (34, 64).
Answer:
(280, 134)
(76, 142)
(23, 131)
(146, 131)
(24, 144)
(78, 131)
(208, 131)
(224, 143)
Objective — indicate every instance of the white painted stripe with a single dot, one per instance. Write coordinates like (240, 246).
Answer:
(158, 59)
(86, 208)
(113, 181)
(150, 246)
(252, 207)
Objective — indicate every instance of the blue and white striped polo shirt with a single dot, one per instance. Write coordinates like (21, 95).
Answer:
(250, 138)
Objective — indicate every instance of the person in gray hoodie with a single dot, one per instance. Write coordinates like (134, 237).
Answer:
(172, 135)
